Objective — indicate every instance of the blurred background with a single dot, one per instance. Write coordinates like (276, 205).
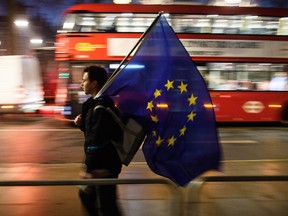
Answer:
(40, 19)
(33, 28)
(240, 49)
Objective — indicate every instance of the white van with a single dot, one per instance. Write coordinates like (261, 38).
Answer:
(20, 84)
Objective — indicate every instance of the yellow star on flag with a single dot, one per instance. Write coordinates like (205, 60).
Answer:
(159, 141)
(150, 105)
(154, 118)
(183, 130)
(169, 85)
(192, 100)
(182, 87)
(157, 93)
(154, 133)
(191, 116)
(171, 141)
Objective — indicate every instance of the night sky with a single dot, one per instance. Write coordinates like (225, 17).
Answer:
(51, 11)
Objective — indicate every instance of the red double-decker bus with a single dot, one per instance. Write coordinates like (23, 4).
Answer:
(241, 52)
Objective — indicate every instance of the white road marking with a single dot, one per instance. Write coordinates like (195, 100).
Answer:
(238, 142)
(37, 130)
(256, 160)
(76, 129)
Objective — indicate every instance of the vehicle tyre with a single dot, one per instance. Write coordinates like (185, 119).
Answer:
(284, 115)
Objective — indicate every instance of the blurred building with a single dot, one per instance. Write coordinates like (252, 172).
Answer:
(21, 33)
(4, 35)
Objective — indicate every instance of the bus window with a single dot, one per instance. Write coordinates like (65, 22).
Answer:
(243, 76)
(279, 82)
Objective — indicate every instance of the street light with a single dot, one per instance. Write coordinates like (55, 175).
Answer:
(21, 23)
(36, 41)
(233, 1)
(121, 1)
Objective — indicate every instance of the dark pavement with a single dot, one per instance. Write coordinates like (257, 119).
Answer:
(215, 198)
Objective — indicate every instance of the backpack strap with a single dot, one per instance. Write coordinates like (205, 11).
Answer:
(116, 118)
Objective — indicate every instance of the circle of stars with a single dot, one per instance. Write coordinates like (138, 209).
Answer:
(152, 105)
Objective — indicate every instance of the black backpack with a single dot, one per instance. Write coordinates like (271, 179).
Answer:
(133, 135)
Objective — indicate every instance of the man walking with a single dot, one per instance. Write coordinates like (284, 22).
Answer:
(101, 158)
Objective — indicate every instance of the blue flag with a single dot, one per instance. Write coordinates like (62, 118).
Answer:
(161, 88)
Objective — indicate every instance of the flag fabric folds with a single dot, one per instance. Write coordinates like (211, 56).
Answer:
(161, 88)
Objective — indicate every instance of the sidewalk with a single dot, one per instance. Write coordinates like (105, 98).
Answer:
(216, 199)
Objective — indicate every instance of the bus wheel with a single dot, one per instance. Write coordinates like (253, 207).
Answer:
(285, 115)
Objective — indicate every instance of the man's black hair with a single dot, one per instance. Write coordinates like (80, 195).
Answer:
(97, 73)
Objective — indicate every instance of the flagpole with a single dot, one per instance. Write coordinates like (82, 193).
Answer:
(117, 70)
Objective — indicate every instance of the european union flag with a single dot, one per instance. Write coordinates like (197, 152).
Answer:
(161, 88)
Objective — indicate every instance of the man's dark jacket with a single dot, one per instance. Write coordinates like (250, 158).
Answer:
(99, 129)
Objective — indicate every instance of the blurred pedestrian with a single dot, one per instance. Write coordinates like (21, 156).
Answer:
(101, 158)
